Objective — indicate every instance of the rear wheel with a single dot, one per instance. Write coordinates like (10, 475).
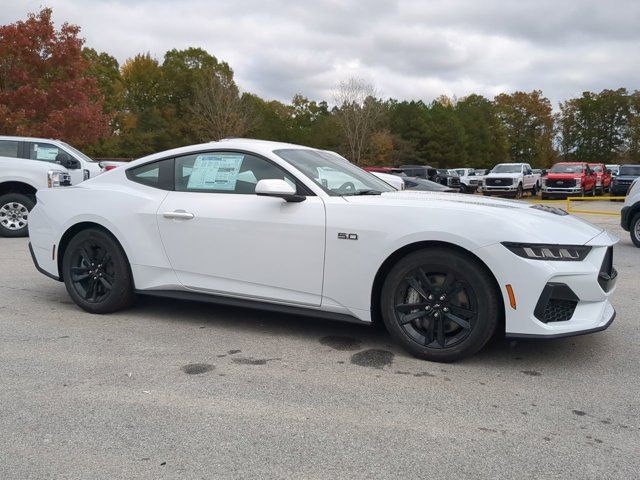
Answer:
(14, 212)
(634, 230)
(440, 304)
(534, 191)
(96, 272)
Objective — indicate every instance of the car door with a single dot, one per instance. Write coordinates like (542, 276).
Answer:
(220, 237)
(528, 177)
(47, 152)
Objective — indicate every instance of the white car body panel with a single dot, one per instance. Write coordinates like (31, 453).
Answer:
(394, 180)
(262, 248)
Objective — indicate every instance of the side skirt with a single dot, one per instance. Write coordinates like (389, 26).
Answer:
(253, 304)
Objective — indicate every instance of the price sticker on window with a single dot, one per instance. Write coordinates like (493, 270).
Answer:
(215, 172)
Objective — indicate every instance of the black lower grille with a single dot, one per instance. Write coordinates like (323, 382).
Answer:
(453, 182)
(555, 183)
(559, 310)
(557, 303)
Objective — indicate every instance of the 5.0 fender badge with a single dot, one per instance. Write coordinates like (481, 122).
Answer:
(347, 236)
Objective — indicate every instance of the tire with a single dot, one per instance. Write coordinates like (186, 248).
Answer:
(534, 191)
(593, 191)
(519, 191)
(463, 188)
(600, 192)
(634, 230)
(14, 212)
(94, 252)
(420, 278)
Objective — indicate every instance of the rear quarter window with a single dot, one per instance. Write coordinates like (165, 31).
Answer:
(9, 148)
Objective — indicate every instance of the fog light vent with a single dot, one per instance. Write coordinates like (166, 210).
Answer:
(556, 303)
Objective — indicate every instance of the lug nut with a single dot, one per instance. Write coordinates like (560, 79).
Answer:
(436, 314)
(445, 309)
(430, 297)
(442, 298)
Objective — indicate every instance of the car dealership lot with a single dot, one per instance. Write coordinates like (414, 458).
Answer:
(183, 390)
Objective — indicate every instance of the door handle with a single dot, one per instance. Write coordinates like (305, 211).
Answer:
(178, 215)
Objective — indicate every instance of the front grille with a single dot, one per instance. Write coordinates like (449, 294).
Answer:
(558, 310)
(498, 182)
(555, 183)
(557, 303)
(453, 181)
(607, 275)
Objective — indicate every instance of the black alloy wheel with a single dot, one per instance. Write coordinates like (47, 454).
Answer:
(96, 272)
(440, 304)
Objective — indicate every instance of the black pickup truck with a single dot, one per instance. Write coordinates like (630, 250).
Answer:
(438, 175)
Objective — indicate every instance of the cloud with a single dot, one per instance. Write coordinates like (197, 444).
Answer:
(408, 49)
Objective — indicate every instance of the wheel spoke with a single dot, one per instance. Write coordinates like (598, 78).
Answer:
(106, 284)
(88, 259)
(440, 336)
(407, 307)
(89, 291)
(463, 323)
(410, 317)
(424, 279)
(458, 310)
(448, 282)
(416, 286)
(78, 277)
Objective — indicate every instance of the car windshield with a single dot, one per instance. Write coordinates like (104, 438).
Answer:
(566, 169)
(505, 168)
(333, 173)
(630, 170)
(79, 153)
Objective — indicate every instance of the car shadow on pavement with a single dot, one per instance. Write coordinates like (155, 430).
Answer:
(579, 351)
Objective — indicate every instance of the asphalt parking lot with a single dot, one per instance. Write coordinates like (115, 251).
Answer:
(172, 389)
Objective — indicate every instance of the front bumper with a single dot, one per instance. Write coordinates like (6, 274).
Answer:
(625, 221)
(38, 267)
(561, 192)
(592, 310)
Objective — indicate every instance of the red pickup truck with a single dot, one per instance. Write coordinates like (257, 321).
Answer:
(569, 179)
(603, 177)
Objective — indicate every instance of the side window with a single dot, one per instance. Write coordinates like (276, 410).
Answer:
(224, 172)
(45, 152)
(155, 174)
(9, 148)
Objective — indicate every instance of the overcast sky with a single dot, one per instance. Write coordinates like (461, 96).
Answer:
(407, 49)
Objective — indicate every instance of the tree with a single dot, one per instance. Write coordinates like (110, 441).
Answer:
(45, 88)
(595, 126)
(528, 124)
(218, 109)
(357, 112)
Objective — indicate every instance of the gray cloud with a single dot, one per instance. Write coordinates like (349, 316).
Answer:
(408, 49)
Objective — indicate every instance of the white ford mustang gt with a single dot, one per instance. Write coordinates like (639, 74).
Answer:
(295, 229)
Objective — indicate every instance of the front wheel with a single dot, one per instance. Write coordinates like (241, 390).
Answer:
(96, 272)
(440, 304)
(519, 191)
(14, 212)
(634, 230)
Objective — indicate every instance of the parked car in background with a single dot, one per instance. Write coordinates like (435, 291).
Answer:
(626, 175)
(287, 228)
(424, 185)
(468, 179)
(438, 175)
(630, 214)
(603, 177)
(396, 181)
(511, 180)
(30, 164)
(614, 169)
(569, 179)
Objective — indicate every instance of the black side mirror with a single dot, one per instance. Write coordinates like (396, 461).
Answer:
(67, 161)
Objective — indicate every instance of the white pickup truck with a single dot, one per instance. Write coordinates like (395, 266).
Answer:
(511, 180)
(469, 182)
(30, 164)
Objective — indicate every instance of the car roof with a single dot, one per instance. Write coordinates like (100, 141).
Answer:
(23, 139)
(263, 147)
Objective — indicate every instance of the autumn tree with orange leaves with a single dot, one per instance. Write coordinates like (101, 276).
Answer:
(44, 87)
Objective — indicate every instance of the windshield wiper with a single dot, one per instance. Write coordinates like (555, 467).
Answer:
(364, 192)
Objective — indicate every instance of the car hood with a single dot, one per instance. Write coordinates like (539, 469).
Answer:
(563, 176)
(508, 219)
(507, 175)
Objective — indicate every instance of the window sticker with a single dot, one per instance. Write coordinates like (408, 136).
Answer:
(44, 152)
(215, 172)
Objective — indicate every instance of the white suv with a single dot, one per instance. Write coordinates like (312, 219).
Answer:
(30, 164)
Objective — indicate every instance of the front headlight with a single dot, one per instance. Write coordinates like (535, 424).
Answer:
(542, 251)
(57, 178)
